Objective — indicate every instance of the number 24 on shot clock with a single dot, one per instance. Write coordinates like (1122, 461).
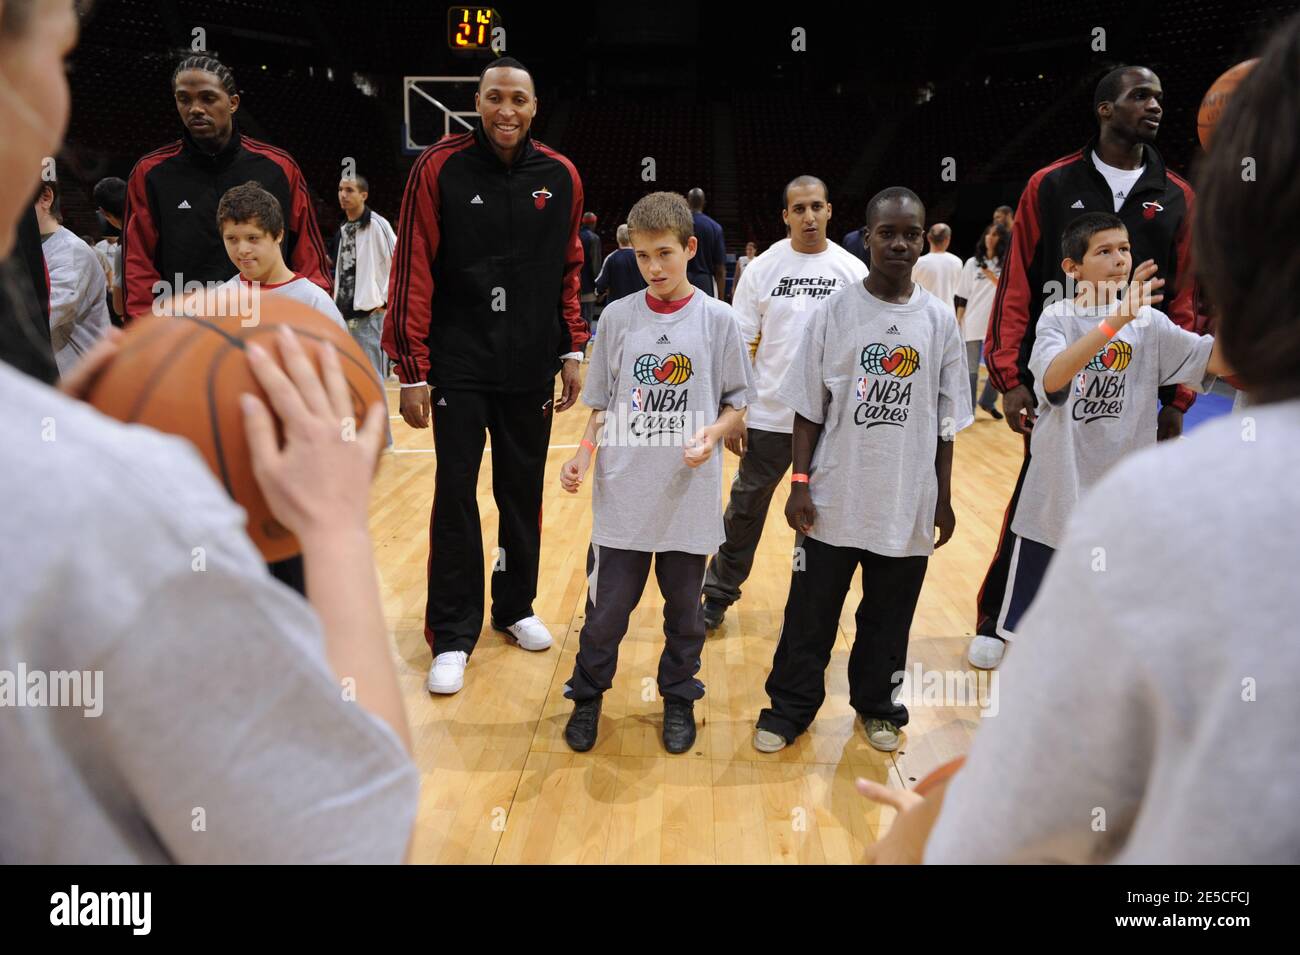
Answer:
(470, 28)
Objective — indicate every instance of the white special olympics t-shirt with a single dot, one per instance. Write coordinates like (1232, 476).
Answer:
(1107, 412)
(775, 297)
(1121, 181)
(978, 291)
(298, 288)
(937, 273)
(886, 381)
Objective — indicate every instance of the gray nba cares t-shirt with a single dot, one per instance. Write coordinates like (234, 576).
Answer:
(660, 378)
(886, 381)
(1107, 412)
(201, 720)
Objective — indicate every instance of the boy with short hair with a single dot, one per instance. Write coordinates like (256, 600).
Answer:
(879, 389)
(251, 224)
(1097, 361)
(670, 370)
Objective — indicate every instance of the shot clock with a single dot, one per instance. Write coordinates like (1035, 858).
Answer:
(470, 28)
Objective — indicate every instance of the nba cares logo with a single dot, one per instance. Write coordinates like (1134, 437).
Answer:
(901, 361)
(1149, 209)
(540, 197)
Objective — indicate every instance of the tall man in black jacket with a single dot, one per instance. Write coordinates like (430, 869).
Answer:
(483, 311)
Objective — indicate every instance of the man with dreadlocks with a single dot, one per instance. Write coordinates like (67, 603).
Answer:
(170, 230)
(169, 233)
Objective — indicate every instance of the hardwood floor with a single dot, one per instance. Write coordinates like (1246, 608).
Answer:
(499, 783)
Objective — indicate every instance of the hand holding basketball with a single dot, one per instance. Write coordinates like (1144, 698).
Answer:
(320, 479)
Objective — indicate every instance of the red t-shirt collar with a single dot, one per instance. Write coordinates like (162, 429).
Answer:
(666, 308)
(295, 278)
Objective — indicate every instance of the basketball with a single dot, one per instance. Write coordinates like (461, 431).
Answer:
(1216, 99)
(903, 361)
(184, 375)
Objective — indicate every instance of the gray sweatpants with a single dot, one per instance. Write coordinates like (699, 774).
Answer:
(615, 581)
(766, 459)
(367, 331)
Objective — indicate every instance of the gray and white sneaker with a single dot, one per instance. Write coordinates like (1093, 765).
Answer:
(765, 741)
(882, 735)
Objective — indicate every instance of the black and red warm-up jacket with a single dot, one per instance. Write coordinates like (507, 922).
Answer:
(1158, 215)
(483, 292)
(169, 227)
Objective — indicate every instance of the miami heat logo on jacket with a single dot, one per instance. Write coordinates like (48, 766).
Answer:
(540, 197)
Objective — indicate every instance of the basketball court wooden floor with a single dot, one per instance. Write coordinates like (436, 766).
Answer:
(499, 785)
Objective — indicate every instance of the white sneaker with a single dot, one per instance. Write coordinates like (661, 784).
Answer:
(447, 675)
(530, 632)
(765, 741)
(986, 652)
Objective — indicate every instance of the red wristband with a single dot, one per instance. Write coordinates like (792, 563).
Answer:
(588, 445)
(1106, 329)
(799, 478)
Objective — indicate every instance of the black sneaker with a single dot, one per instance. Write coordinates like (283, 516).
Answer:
(714, 611)
(992, 409)
(679, 724)
(580, 733)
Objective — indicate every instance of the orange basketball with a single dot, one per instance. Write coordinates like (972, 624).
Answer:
(1217, 97)
(184, 375)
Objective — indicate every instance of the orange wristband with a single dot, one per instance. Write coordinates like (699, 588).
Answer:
(588, 445)
(1106, 329)
(799, 478)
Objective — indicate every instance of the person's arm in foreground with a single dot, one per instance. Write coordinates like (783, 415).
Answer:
(318, 487)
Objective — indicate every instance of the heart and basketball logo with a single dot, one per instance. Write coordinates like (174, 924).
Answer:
(1113, 356)
(901, 361)
(672, 369)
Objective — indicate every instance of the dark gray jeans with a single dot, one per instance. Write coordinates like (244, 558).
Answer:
(615, 581)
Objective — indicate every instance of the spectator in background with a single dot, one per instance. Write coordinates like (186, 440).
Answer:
(78, 289)
(973, 297)
(170, 221)
(708, 269)
(590, 270)
(937, 271)
(1005, 216)
(619, 275)
(363, 258)
(110, 203)
(853, 243)
(751, 252)
(25, 304)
